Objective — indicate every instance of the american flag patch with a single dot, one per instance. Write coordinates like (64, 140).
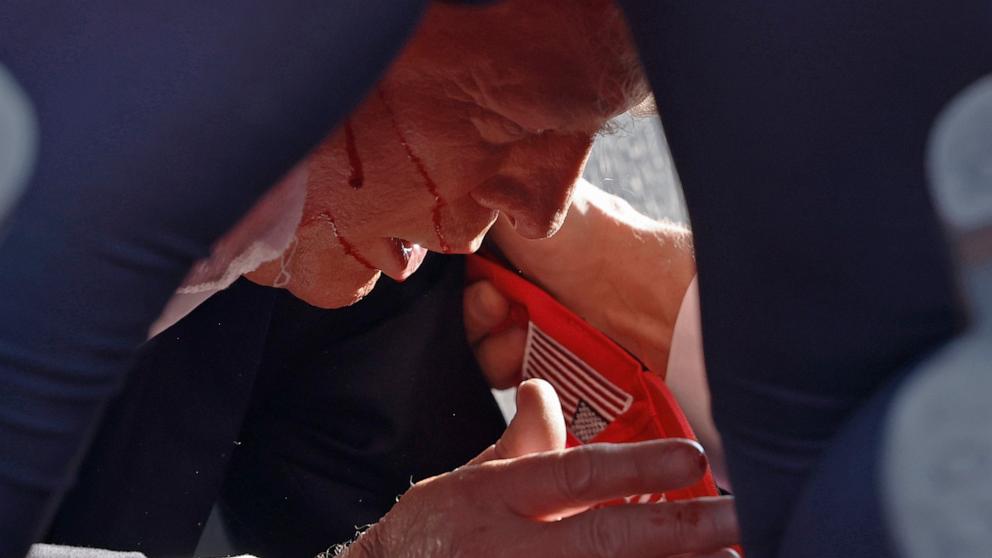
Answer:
(589, 401)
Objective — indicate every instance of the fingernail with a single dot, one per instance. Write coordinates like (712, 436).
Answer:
(702, 462)
(686, 460)
(699, 455)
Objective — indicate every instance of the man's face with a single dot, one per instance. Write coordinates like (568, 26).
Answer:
(488, 111)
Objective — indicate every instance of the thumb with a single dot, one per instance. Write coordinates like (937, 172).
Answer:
(538, 425)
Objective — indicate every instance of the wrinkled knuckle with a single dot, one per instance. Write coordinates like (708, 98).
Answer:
(466, 484)
(693, 528)
(605, 539)
(713, 527)
(576, 475)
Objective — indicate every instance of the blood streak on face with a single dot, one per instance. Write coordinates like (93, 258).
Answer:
(487, 110)
(348, 247)
(439, 202)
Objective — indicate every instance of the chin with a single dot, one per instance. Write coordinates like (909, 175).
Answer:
(334, 294)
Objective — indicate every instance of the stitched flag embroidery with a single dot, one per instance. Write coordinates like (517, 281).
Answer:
(589, 401)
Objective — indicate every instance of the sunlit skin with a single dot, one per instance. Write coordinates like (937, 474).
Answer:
(497, 108)
(488, 110)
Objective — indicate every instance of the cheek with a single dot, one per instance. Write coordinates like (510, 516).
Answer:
(443, 146)
(429, 185)
(322, 272)
(458, 160)
(418, 169)
(317, 271)
(390, 194)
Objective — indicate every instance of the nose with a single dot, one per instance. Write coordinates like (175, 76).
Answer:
(534, 185)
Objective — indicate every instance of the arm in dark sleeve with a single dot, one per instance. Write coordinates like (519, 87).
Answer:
(799, 131)
(160, 124)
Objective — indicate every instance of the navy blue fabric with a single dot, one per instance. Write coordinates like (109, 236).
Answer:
(797, 127)
(303, 422)
(158, 459)
(798, 130)
(840, 509)
(350, 407)
(160, 123)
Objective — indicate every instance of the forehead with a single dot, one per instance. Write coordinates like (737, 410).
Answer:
(554, 64)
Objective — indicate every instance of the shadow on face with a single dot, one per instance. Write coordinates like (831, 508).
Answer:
(488, 110)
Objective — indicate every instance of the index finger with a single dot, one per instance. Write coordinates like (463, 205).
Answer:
(645, 530)
(548, 483)
(484, 309)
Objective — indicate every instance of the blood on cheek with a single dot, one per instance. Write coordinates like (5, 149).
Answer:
(439, 202)
(356, 179)
(347, 246)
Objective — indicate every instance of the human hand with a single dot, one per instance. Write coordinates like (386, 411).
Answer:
(646, 257)
(499, 352)
(508, 504)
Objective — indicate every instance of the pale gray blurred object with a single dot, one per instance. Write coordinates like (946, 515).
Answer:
(960, 157)
(938, 451)
(55, 551)
(18, 141)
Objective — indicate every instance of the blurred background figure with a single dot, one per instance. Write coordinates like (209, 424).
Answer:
(939, 449)
(18, 138)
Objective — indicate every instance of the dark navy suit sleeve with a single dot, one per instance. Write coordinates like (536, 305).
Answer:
(799, 130)
(160, 124)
